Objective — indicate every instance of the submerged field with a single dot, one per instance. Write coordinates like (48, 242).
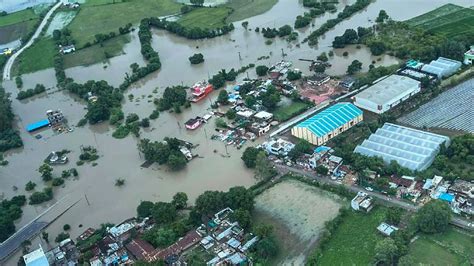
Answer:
(248, 8)
(449, 20)
(298, 213)
(453, 247)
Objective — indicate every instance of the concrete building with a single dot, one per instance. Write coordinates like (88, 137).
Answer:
(469, 56)
(411, 148)
(36, 258)
(329, 123)
(362, 202)
(387, 93)
(442, 67)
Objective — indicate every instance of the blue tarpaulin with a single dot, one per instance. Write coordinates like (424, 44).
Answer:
(446, 197)
(37, 125)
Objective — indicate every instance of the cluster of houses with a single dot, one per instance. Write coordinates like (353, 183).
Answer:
(458, 194)
(224, 240)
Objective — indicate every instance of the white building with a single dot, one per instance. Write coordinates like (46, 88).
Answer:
(362, 202)
(36, 258)
(278, 147)
(387, 93)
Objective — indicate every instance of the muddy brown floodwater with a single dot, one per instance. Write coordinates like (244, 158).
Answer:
(120, 158)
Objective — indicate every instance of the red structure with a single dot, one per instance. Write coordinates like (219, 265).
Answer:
(201, 90)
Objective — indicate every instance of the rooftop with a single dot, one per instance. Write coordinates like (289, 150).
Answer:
(411, 148)
(36, 258)
(388, 89)
(331, 118)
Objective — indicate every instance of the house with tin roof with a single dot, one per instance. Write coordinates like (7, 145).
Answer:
(329, 123)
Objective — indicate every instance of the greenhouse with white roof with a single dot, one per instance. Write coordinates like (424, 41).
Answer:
(411, 148)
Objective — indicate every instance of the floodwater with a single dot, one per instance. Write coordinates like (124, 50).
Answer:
(120, 158)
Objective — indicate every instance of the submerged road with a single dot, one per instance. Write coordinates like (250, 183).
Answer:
(388, 201)
(11, 60)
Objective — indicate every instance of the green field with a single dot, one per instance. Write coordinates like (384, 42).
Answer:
(284, 113)
(248, 8)
(453, 247)
(353, 243)
(37, 57)
(95, 19)
(205, 18)
(17, 17)
(449, 20)
(96, 53)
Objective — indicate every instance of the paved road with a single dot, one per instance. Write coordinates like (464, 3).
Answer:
(465, 224)
(11, 60)
(25, 233)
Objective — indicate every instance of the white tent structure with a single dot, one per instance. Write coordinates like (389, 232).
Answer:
(411, 148)
(442, 67)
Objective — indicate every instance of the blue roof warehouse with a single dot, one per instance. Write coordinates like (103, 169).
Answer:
(329, 123)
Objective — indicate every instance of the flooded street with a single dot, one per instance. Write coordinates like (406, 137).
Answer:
(213, 170)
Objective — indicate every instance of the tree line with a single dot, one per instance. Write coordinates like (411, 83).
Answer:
(193, 33)
(344, 14)
(39, 88)
(10, 211)
(9, 138)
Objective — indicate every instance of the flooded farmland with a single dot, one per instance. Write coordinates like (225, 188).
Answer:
(214, 169)
(298, 213)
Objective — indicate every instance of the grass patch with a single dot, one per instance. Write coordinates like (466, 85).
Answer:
(37, 57)
(452, 247)
(205, 18)
(353, 243)
(101, 17)
(17, 17)
(96, 53)
(449, 20)
(248, 8)
(284, 113)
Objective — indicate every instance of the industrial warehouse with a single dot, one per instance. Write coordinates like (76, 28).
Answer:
(329, 123)
(387, 93)
(411, 148)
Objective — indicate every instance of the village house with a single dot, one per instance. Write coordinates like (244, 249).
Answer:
(67, 49)
(386, 229)
(279, 147)
(362, 202)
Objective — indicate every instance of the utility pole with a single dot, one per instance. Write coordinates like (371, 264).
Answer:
(240, 57)
(88, 203)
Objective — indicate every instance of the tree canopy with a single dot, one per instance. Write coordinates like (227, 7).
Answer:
(433, 217)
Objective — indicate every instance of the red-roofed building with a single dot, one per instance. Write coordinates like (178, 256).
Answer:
(190, 239)
(140, 248)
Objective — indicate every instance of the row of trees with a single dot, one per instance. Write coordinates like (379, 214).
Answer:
(164, 152)
(190, 33)
(150, 55)
(280, 32)
(9, 138)
(344, 14)
(39, 88)
(317, 8)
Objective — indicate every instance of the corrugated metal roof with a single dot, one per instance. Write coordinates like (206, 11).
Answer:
(37, 125)
(331, 118)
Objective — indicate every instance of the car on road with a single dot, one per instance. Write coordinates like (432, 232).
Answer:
(369, 189)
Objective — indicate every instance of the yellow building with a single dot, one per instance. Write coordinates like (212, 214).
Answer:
(329, 123)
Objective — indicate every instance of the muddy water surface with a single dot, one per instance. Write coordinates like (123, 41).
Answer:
(120, 158)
